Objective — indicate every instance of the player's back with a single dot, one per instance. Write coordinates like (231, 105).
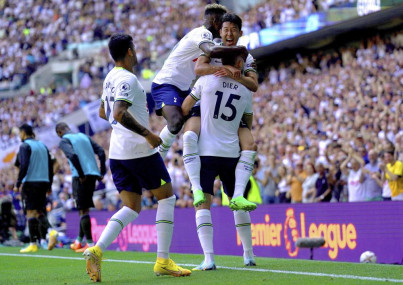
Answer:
(223, 102)
(178, 69)
(122, 85)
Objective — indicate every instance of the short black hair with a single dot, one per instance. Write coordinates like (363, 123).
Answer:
(230, 60)
(232, 18)
(62, 126)
(27, 129)
(118, 45)
(216, 9)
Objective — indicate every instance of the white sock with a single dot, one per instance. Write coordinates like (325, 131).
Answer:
(243, 171)
(205, 233)
(242, 224)
(165, 224)
(167, 139)
(115, 225)
(191, 158)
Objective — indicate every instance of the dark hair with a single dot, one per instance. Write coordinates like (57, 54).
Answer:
(118, 45)
(27, 129)
(232, 18)
(230, 60)
(61, 127)
(214, 9)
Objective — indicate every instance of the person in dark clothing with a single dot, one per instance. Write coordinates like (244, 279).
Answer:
(35, 175)
(80, 151)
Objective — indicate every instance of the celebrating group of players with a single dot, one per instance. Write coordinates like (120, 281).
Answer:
(216, 115)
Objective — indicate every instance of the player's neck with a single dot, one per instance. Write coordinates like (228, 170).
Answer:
(123, 65)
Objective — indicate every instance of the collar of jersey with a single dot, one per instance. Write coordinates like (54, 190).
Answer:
(118, 67)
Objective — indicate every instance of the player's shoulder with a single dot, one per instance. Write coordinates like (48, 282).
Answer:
(201, 32)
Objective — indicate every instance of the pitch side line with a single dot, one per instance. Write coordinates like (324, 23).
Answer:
(354, 277)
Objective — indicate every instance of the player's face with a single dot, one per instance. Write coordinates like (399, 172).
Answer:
(230, 34)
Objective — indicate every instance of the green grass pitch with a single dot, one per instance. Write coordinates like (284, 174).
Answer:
(63, 266)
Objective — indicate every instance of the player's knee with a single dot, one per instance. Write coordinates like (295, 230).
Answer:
(175, 125)
(190, 137)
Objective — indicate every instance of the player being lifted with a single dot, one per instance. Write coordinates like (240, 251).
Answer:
(230, 33)
(134, 164)
(172, 83)
(224, 102)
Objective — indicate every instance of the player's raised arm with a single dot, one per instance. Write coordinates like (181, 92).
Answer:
(121, 115)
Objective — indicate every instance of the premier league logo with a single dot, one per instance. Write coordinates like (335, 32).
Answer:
(124, 87)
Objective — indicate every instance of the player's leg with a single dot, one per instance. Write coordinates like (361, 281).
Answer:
(191, 158)
(76, 185)
(242, 218)
(243, 227)
(85, 201)
(173, 115)
(244, 170)
(203, 215)
(33, 227)
(129, 190)
(31, 202)
(157, 179)
(168, 101)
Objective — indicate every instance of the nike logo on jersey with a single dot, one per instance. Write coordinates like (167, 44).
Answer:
(175, 99)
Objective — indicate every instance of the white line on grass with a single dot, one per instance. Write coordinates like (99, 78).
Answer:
(224, 267)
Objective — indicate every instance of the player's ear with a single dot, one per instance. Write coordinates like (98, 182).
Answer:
(130, 52)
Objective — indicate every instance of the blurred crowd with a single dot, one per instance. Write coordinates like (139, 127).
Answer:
(32, 32)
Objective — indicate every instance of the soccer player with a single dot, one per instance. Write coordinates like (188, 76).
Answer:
(134, 164)
(230, 32)
(172, 83)
(223, 103)
(36, 176)
(80, 151)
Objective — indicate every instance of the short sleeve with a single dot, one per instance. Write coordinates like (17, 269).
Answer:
(127, 89)
(203, 36)
(249, 64)
(399, 169)
(197, 89)
(248, 108)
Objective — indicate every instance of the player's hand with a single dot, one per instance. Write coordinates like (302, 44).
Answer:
(223, 72)
(100, 178)
(153, 140)
(236, 73)
(82, 179)
(16, 189)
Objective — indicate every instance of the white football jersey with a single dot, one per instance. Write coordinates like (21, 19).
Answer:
(223, 102)
(178, 69)
(122, 85)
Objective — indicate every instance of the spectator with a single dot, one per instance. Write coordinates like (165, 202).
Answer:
(323, 190)
(372, 190)
(283, 186)
(394, 175)
(268, 178)
(298, 177)
(308, 186)
(355, 176)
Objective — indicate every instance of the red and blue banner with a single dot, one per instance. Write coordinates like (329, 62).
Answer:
(348, 228)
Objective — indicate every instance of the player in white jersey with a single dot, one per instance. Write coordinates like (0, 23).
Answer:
(134, 162)
(230, 32)
(172, 83)
(223, 103)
